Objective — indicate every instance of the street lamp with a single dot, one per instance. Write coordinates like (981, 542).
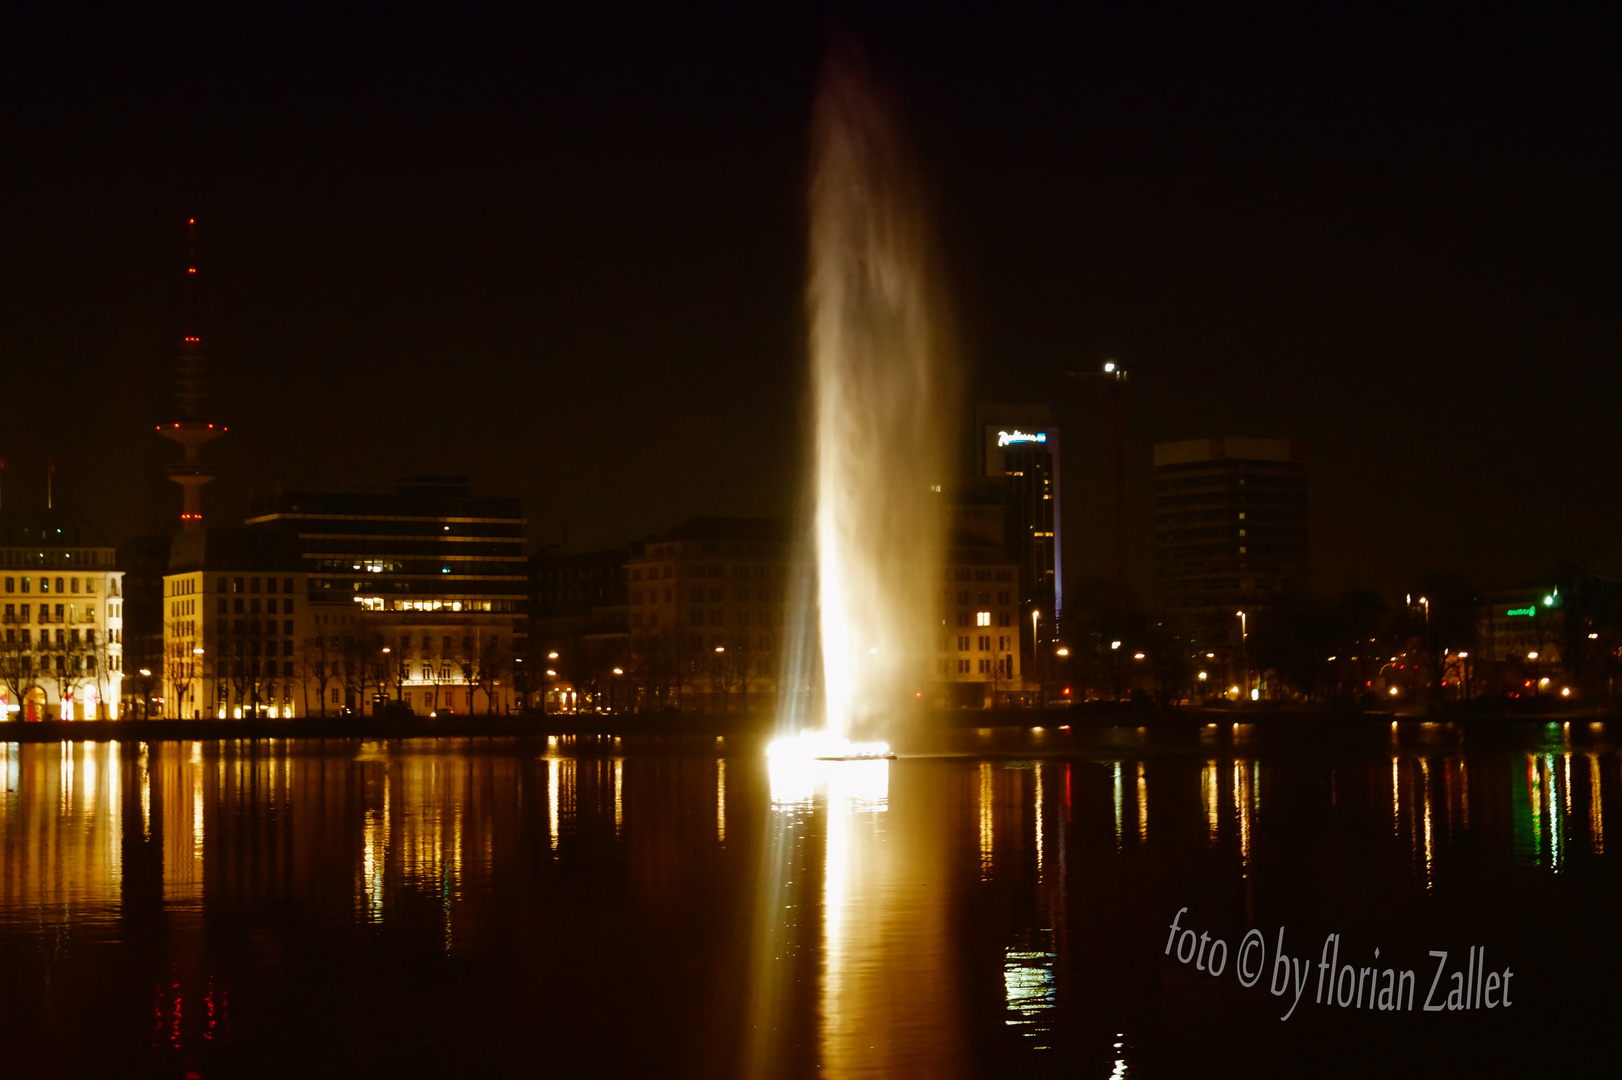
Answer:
(146, 694)
(1035, 617)
(1244, 651)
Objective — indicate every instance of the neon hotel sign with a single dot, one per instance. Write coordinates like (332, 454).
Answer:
(1004, 438)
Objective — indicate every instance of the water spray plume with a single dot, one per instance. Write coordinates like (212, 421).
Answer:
(883, 388)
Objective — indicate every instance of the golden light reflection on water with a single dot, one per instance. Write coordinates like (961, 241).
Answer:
(1430, 843)
(1118, 804)
(61, 831)
(1596, 806)
(987, 799)
(1245, 802)
(884, 1001)
(1143, 803)
(1209, 783)
(721, 800)
(1036, 817)
(619, 794)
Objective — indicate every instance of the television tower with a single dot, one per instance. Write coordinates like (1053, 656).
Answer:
(191, 431)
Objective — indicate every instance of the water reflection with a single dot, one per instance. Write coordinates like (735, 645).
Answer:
(919, 917)
(885, 996)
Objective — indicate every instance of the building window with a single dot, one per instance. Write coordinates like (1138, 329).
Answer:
(1004, 619)
(1002, 596)
(963, 596)
(985, 667)
(963, 618)
(984, 643)
(962, 667)
(11, 585)
(982, 618)
(44, 584)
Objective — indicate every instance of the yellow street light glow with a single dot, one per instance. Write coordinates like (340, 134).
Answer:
(197, 652)
(1462, 655)
(146, 672)
(1210, 656)
(619, 671)
(720, 648)
(1115, 644)
(1593, 637)
(1565, 691)
(551, 656)
(1543, 681)
(1531, 656)
(551, 674)
(1137, 656)
(1064, 652)
(1202, 676)
(1394, 691)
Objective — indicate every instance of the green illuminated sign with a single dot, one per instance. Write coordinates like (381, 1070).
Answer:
(1522, 611)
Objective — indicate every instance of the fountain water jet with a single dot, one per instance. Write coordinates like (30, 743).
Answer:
(883, 384)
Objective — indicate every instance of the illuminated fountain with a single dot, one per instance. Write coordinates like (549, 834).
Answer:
(883, 385)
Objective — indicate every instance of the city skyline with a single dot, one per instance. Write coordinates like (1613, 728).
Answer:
(609, 328)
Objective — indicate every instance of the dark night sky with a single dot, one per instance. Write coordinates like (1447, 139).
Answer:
(564, 254)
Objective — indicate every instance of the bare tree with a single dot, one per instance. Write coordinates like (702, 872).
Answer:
(363, 666)
(180, 671)
(320, 667)
(62, 670)
(491, 664)
(17, 667)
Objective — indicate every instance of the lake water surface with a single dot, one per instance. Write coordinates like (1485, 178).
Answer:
(993, 903)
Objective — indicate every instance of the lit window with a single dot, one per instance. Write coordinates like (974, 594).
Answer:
(982, 618)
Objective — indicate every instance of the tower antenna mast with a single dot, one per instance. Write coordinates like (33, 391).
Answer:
(192, 431)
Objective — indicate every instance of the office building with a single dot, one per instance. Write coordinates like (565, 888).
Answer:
(432, 572)
(1230, 534)
(1018, 446)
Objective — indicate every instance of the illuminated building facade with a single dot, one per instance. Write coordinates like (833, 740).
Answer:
(978, 660)
(708, 609)
(1230, 533)
(1018, 446)
(62, 600)
(430, 571)
(236, 615)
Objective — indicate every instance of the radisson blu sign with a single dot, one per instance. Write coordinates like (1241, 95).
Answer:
(1006, 438)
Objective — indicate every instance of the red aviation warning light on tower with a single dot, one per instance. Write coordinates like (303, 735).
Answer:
(192, 431)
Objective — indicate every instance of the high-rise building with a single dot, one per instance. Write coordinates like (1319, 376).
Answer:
(1230, 533)
(1018, 445)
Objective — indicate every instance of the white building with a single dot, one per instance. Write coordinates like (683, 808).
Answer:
(62, 608)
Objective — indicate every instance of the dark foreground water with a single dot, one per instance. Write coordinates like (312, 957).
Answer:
(1000, 907)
